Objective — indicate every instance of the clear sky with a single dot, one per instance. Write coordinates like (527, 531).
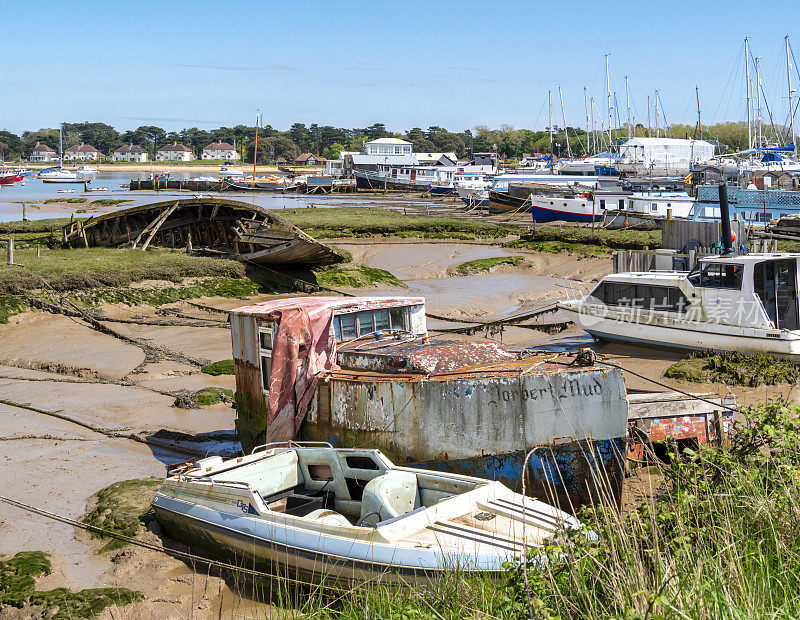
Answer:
(454, 64)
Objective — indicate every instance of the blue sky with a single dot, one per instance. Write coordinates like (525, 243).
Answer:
(453, 64)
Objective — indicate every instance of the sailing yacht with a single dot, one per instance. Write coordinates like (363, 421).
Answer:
(59, 175)
(733, 303)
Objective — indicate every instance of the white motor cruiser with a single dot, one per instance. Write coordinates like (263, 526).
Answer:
(730, 303)
(347, 514)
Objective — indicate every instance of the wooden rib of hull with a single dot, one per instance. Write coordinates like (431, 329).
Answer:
(230, 227)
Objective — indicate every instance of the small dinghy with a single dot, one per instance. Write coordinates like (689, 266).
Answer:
(347, 514)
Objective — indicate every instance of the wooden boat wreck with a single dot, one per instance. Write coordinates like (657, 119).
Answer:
(229, 227)
(365, 374)
(350, 514)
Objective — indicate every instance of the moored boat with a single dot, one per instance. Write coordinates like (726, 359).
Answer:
(350, 514)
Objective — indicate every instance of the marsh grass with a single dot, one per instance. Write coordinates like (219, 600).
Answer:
(734, 368)
(340, 222)
(586, 241)
(355, 276)
(485, 265)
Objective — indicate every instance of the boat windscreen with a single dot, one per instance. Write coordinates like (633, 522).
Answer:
(717, 275)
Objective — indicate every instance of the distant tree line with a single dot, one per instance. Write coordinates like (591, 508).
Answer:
(329, 141)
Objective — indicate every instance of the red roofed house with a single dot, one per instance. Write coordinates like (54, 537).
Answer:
(42, 152)
(220, 150)
(307, 159)
(82, 152)
(174, 152)
(131, 153)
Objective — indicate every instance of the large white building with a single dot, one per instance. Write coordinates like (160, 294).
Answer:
(663, 155)
(174, 152)
(220, 150)
(82, 152)
(130, 153)
(388, 147)
(42, 152)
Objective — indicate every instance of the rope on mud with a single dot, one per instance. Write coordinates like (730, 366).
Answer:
(183, 555)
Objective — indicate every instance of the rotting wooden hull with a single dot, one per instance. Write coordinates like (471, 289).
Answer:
(230, 227)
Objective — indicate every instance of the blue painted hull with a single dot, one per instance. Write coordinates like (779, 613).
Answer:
(566, 475)
(550, 215)
(439, 190)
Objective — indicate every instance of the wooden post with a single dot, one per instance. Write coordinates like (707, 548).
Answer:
(38, 253)
(24, 212)
(10, 251)
(189, 242)
(692, 259)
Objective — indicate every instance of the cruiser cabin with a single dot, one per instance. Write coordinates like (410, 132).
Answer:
(744, 303)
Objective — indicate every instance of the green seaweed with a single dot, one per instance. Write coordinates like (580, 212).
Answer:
(213, 396)
(121, 508)
(734, 368)
(222, 367)
(483, 265)
(355, 276)
(18, 587)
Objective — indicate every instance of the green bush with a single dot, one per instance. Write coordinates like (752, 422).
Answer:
(222, 367)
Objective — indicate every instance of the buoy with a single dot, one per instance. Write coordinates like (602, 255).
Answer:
(733, 237)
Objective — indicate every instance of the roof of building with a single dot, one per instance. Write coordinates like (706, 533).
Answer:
(425, 158)
(306, 157)
(395, 160)
(340, 304)
(174, 147)
(130, 148)
(281, 159)
(43, 148)
(81, 148)
(219, 146)
(388, 141)
(663, 142)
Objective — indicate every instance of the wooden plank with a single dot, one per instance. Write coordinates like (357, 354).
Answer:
(161, 220)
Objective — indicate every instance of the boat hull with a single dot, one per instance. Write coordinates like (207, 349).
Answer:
(690, 335)
(376, 182)
(441, 190)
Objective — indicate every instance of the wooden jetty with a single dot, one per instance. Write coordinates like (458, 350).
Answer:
(187, 184)
(219, 225)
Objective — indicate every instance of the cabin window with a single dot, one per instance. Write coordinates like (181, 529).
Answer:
(361, 462)
(265, 341)
(622, 204)
(717, 275)
(602, 203)
(654, 206)
(354, 325)
(641, 296)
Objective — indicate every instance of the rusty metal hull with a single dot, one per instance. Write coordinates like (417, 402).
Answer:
(484, 424)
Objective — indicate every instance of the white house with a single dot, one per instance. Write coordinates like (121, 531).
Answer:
(437, 159)
(220, 150)
(131, 153)
(42, 152)
(174, 152)
(82, 152)
(388, 147)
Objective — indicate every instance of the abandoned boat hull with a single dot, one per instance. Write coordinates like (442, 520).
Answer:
(484, 427)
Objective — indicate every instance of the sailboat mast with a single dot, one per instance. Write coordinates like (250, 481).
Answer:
(760, 138)
(655, 105)
(255, 150)
(648, 116)
(608, 92)
(550, 122)
(60, 146)
(791, 105)
(595, 148)
(586, 114)
(628, 105)
(564, 120)
(699, 132)
(749, 103)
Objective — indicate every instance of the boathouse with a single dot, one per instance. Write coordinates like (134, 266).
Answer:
(361, 371)
(388, 147)
(308, 159)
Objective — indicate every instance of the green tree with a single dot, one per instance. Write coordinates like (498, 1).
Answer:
(269, 149)
(333, 151)
(11, 146)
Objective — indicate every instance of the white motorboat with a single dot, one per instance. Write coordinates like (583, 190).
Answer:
(729, 303)
(345, 514)
(87, 170)
(57, 175)
(231, 171)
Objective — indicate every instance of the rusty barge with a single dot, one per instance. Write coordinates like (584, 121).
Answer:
(361, 372)
(218, 225)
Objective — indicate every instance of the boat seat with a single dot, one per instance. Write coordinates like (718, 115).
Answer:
(390, 495)
(328, 517)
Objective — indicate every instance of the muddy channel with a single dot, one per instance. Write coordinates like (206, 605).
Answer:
(81, 409)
